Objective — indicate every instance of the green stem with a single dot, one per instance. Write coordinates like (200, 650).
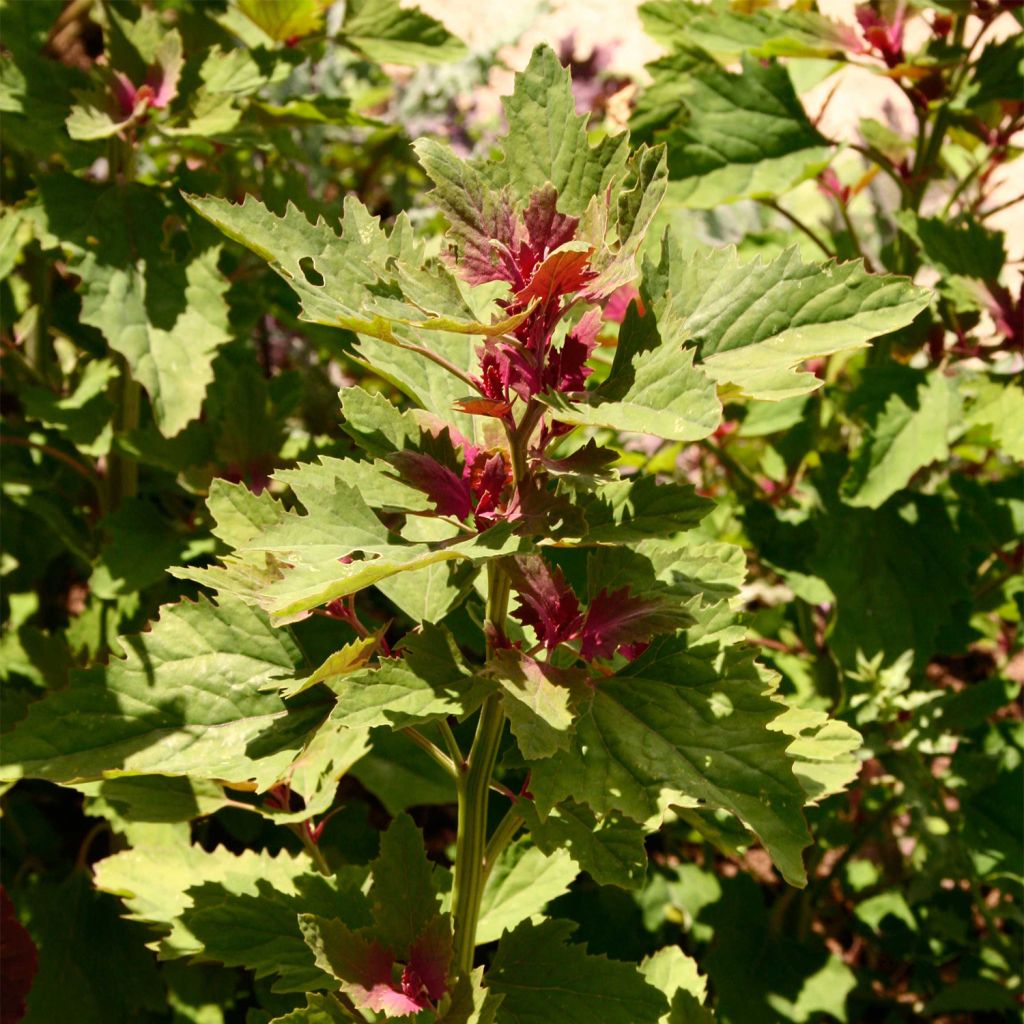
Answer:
(348, 1008)
(855, 237)
(314, 851)
(503, 835)
(451, 742)
(435, 752)
(798, 223)
(474, 784)
(124, 471)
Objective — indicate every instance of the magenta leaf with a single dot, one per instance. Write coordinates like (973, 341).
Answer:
(449, 493)
(546, 601)
(425, 976)
(590, 461)
(567, 368)
(565, 270)
(622, 618)
(19, 961)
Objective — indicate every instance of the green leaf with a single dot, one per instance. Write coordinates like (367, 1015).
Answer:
(318, 1010)
(289, 563)
(84, 416)
(285, 19)
(625, 511)
(93, 967)
(154, 881)
(753, 323)
(375, 424)
(260, 931)
(186, 700)
(543, 978)
(352, 280)
(429, 682)
(142, 545)
(671, 971)
(352, 657)
(152, 798)
(165, 314)
(315, 773)
(312, 584)
(547, 140)
(906, 589)
(910, 431)
(722, 29)
(824, 751)
(673, 728)
(609, 848)
(401, 775)
(999, 407)
(94, 115)
(388, 32)
(729, 136)
(403, 894)
(520, 885)
(962, 247)
(471, 1003)
(653, 388)
(540, 701)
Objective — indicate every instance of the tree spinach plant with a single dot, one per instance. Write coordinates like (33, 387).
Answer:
(558, 636)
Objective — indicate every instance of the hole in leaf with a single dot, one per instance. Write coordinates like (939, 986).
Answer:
(312, 275)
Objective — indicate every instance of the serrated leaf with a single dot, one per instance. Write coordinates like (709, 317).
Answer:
(359, 962)
(166, 316)
(343, 280)
(674, 728)
(671, 971)
(260, 931)
(310, 584)
(1000, 408)
(726, 31)
(824, 751)
(729, 136)
(390, 33)
(909, 432)
(186, 700)
(289, 562)
(543, 978)
(422, 686)
(539, 700)
(652, 388)
(609, 848)
(624, 511)
(753, 323)
(285, 19)
(403, 895)
(153, 798)
(352, 657)
(904, 591)
(547, 140)
(315, 773)
(520, 885)
(318, 1010)
(154, 880)
(962, 247)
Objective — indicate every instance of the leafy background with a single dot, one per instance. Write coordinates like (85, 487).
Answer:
(881, 515)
